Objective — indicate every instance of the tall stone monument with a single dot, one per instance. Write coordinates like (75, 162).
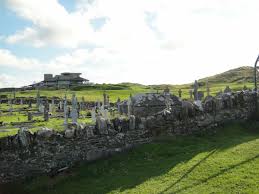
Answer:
(74, 111)
(195, 90)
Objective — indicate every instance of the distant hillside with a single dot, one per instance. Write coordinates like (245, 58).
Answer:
(238, 75)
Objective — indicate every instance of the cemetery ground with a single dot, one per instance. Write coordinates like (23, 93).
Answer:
(225, 161)
(90, 94)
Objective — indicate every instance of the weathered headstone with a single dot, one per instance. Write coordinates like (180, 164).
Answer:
(93, 114)
(74, 111)
(101, 125)
(41, 108)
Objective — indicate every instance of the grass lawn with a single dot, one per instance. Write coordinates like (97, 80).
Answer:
(97, 94)
(225, 162)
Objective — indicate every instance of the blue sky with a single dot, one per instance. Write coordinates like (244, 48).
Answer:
(144, 41)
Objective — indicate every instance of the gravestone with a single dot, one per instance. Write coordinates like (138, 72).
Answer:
(93, 114)
(180, 93)
(195, 90)
(30, 116)
(61, 105)
(38, 99)
(65, 112)
(166, 90)
(227, 90)
(129, 104)
(98, 104)
(108, 100)
(200, 95)
(10, 104)
(207, 88)
(46, 111)
(132, 122)
(30, 104)
(101, 125)
(191, 93)
(14, 94)
(245, 88)
(21, 101)
(74, 111)
(118, 105)
(104, 99)
(41, 108)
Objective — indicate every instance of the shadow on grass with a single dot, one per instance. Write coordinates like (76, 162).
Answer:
(128, 170)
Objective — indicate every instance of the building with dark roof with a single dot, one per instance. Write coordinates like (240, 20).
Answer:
(64, 80)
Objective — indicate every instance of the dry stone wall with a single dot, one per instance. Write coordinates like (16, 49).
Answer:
(47, 151)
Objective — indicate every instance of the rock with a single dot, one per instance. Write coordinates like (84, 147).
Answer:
(132, 122)
(24, 137)
(101, 125)
(89, 131)
(70, 133)
(45, 132)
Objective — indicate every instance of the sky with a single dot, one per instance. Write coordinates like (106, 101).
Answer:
(114, 41)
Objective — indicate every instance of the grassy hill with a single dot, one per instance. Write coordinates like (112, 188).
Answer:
(226, 161)
(237, 75)
(235, 78)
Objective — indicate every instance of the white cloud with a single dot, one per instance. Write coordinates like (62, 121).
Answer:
(179, 42)
(8, 59)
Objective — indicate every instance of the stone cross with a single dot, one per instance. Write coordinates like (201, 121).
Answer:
(74, 111)
(180, 93)
(195, 89)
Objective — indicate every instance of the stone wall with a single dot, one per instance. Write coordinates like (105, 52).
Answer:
(47, 151)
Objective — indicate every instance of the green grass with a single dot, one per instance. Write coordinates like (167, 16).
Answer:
(97, 94)
(226, 162)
